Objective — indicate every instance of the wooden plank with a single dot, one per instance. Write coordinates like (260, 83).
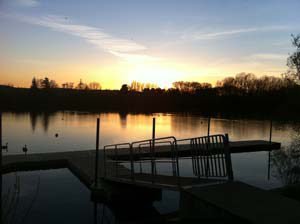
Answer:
(248, 202)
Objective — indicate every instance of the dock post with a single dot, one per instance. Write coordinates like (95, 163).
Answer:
(228, 158)
(208, 126)
(131, 162)
(0, 167)
(153, 149)
(271, 129)
(97, 152)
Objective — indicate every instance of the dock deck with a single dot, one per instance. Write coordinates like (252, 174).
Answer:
(82, 163)
(184, 150)
(249, 203)
(239, 200)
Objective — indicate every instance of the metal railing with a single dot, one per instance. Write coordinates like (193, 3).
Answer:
(209, 154)
(115, 148)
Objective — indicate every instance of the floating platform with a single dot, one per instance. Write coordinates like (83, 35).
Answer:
(228, 200)
(238, 201)
(82, 163)
(184, 150)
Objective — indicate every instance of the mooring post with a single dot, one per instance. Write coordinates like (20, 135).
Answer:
(131, 162)
(0, 167)
(228, 158)
(153, 149)
(271, 128)
(208, 126)
(97, 152)
(269, 165)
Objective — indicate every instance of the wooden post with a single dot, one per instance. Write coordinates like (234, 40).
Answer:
(269, 165)
(153, 149)
(271, 128)
(97, 152)
(131, 162)
(0, 167)
(228, 158)
(208, 126)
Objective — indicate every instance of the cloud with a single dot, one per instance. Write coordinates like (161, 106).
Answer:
(135, 57)
(27, 3)
(123, 48)
(227, 33)
(268, 56)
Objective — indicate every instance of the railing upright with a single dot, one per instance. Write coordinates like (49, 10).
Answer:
(271, 130)
(116, 160)
(97, 152)
(131, 162)
(153, 168)
(228, 158)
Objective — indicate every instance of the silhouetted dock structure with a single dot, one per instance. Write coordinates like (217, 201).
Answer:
(210, 191)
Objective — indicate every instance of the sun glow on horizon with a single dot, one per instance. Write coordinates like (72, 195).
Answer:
(155, 74)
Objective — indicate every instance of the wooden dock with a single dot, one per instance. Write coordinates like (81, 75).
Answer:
(235, 199)
(82, 165)
(184, 150)
(227, 200)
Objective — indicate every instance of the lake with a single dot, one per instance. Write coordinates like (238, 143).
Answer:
(46, 197)
(67, 131)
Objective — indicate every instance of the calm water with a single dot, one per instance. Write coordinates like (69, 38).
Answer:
(76, 131)
(46, 197)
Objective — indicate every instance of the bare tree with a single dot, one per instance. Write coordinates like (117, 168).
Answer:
(293, 60)
(81, 85)
(68, 85)
(94, 86)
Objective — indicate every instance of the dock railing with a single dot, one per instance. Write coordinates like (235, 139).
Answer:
(112, 154)
(151, 145)
(210, 157)
(112, 151)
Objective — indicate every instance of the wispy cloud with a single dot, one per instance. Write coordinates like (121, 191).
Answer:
(26, 3)
(123, 48)
(269, 56)
(195, 35)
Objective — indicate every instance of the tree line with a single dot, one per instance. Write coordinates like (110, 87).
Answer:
(47, 83)
(244, 92)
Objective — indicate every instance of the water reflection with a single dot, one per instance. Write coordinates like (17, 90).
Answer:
(46, 197)
(42, 118)
(123, 119)
(286, 162)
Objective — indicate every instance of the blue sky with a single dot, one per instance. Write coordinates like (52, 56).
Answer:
(161, 41)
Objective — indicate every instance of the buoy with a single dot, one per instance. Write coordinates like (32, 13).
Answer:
(5, 147)
(25, 149)
(56, 135)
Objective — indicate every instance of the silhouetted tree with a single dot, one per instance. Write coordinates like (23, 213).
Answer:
(139, 86)
(45, 83)
(34, 84)
(68, 85)
(94, 86)
(294, 59)
(124, 88)
(81, 85)
(53, 84)
(191, 87)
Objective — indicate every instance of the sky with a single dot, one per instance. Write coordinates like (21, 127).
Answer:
(158, 41)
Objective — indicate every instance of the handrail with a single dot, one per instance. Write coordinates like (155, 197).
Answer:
(155, 139)
(205, 136)
(113, 145)
(204, 142)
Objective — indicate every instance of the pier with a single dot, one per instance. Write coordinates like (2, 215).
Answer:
(133, 170)
(112, 161)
